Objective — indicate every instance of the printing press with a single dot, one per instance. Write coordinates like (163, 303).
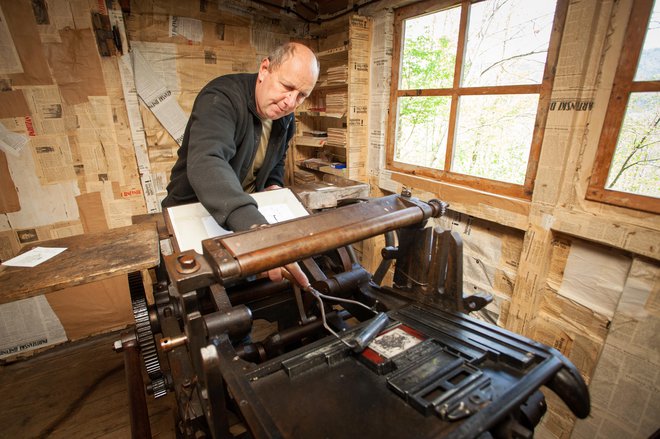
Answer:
(348, 358)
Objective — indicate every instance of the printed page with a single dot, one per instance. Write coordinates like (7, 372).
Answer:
(28, 324)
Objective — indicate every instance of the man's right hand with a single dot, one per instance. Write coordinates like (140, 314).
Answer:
(292, 272)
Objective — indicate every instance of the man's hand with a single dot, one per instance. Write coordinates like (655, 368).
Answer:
(272, 187)
(292, 272)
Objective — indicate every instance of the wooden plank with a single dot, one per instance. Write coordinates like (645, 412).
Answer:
(473, 91)
(478, 183)
(88, 257)
(325, 194)
(530, 280)
(458, 67)
(619, 232)
(545, 94)
(507, 211)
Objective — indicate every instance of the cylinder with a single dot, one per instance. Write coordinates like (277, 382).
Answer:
(237, 322)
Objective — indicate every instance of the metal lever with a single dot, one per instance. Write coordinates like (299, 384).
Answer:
(360, 341)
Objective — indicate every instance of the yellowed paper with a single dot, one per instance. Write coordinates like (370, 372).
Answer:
(46, 109)
(52, 158)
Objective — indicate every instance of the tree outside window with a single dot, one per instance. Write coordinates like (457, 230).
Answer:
(627, 167)
(471, 90)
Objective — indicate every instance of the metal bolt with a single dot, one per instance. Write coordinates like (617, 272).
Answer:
(187, 264)
(187, 261)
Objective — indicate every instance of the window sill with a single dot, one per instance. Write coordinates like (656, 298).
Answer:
(508, 211)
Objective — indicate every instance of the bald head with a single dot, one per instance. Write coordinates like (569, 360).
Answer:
(285, 79)
(293, 50)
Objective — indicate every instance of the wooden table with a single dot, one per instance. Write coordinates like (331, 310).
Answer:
(89, 257)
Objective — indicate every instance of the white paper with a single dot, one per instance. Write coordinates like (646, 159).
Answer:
(279, 205)
(594, 277)
(192, 223)
(10, 142)
(40, 204)
(189, 28)
(191, 226)
(158, 98)
(34, 257)
(28, 324)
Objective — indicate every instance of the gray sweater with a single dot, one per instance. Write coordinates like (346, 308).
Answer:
(218, 148)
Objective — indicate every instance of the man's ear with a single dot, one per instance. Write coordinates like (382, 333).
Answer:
(263, 68)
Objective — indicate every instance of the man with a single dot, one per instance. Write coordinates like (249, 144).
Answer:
(236, 140)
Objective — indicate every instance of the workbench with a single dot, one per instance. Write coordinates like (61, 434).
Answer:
(87, 258)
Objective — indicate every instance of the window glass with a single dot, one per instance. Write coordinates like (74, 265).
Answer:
(507, 42)
(421, 134)
(648, 68)
(429, 50)
(635, 166)
(491, 112)
(493, 136)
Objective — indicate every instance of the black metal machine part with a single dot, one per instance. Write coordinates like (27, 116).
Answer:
(452, 376)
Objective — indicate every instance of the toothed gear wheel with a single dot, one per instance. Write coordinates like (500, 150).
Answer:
(145, 335)
(158, 387)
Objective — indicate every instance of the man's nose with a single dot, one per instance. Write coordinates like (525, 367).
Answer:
(291, 99)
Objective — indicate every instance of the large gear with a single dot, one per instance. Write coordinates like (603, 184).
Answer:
(145, 335)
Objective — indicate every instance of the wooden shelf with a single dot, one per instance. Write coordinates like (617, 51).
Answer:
(314, 142)
(342, 86)
(321, 114)
(334, 54)
(324, 85)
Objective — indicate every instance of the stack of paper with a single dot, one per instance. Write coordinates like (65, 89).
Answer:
(336, 102)
(336, 137)
(338, 75)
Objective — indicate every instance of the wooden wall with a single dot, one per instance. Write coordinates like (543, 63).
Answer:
(581, 276)
(82, 153)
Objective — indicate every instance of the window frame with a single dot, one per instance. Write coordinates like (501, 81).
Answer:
(544, 90)
(623, 85)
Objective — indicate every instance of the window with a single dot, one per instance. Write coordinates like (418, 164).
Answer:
(627, 167)
(471, 86)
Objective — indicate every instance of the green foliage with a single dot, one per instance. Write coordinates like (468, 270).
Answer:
(428, 62)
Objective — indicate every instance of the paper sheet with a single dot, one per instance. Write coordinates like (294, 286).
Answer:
(40, 205)
(52, 157)
(28, 324)
(189, 28)
(158, 98)
(192, 223)
(594, 277)
(12, 143)
(34, 257)
(46, 113)
(137, 132)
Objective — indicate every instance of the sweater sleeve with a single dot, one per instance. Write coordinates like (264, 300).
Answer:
(213, 130)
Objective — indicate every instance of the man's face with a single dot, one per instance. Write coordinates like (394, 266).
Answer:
(280, 91)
